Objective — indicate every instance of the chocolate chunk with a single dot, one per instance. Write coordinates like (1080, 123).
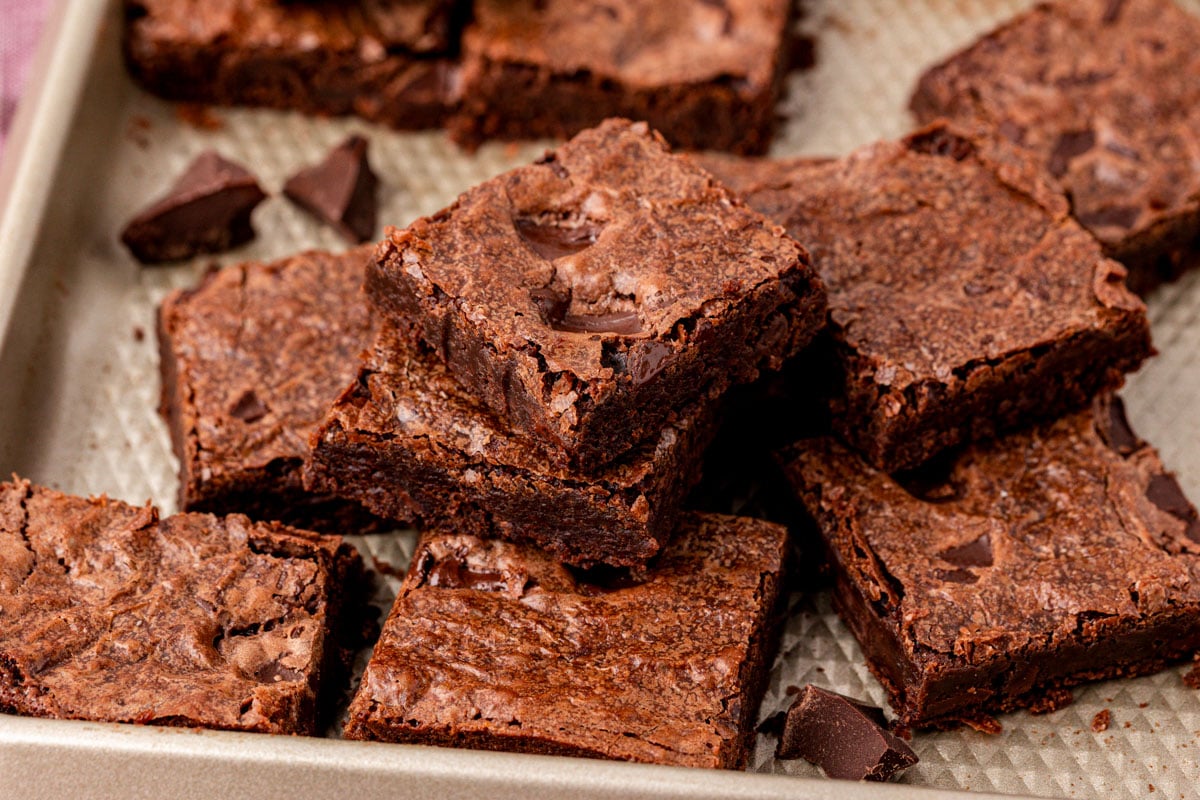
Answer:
(455, 573)
(249, 408)
(1113, 426)
(972, 554)
(553, 306)
(206, 211)
(846, 738)
(1164, 491)
(625, 323)
(551, 241)
(647, 360)
(1068, 146)
(802, 52)
(340, 191)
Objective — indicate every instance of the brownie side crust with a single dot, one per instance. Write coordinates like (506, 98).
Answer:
(1019, 568)
(1105, 95)
(550, 660)
(388, 61)
(964, 300)
(706, 75)
(251, 360)
(585, 296)
(109, 613)
(404, 435)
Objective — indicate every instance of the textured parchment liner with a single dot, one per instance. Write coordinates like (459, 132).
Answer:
(80, 377)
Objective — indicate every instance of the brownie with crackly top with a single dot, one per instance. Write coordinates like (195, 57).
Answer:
(110, 613)
(1012, 571)
(964, 300)
(1106, 95)
(389, 61)
(251, 359)
(405, 438)
(544, 659)
(586, 296)
(704, 73)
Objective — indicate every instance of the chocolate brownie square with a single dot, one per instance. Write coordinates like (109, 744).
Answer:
(586, 296)
(1106, 95)
(109, 613)
(1013, 570)
(388, 61)
(704, 73)
(964, 299)
(251, 360)
(495, 646)
(406, 436)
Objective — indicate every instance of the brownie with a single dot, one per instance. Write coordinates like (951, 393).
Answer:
(495, 646)
(389, 61)
(704, 73)
(251, 360)
(1013, 570)
(109, 613)
(587, 295)
(1106, 95)
(964, 299)
(405, 435)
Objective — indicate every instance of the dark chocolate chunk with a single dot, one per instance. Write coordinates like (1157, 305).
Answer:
(846, 738)
(249, 408)
(340, 191)
(1164, 491)
(206, 211)
(1070, 144)
(555, 241)
(1113, 426)
(621, 322)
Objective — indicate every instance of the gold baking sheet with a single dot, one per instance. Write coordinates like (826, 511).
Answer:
(79, 384)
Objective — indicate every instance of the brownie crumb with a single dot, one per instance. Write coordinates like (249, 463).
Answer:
(1101, 721)
(802, 52)
(984, 723)
(1192, 678)
(791, 690)
(139, 333)
(1053, 700)
(198, 116)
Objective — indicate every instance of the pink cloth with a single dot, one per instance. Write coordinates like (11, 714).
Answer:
(20, 24)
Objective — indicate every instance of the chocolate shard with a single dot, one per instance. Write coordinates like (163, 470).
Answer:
(341, 190)
(846, 738)
(206, 211)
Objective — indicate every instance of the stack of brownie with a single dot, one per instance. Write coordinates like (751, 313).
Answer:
(706, 74)
(542, 363)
